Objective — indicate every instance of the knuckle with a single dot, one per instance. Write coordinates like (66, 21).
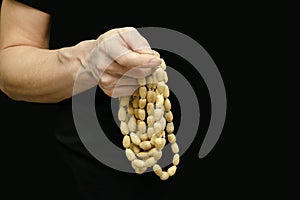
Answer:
(136, 72)
(122, 60)
(127, 29)
(105, 83)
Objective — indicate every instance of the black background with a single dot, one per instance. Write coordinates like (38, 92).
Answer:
(242, 164)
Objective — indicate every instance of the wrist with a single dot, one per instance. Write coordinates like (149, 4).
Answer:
(74, 58)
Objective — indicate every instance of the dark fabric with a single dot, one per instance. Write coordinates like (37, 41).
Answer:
(75, 21)
(233, 34)
(47, 6)
(72, 22)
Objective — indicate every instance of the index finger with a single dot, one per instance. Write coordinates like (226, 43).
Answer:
(133, 59)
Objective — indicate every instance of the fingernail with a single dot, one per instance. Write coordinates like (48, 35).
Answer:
(154, 62)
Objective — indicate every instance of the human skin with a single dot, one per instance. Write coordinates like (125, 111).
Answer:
(29, 71)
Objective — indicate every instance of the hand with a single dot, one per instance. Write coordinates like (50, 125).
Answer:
(117, 59)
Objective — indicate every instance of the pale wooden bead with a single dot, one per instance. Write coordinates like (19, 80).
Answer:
(155, 53)
(157, 154)
(159, 106)
(135, 139)
(142, 114)
(135, 102)
(150, 120)
(166, 77)
(122, 113)
(135, 148)
(169, 116)
(142, 103)
(149, 86)
(133, 166)
(157, 127)
(135, 93)
(124, 101)
(143, 92)
(158, 113)
(152, 139)
(167, 105)
(161, 87)
(140, 170)
(150, 162)
(137, 143)
(149, 80)
(150, 132)
(150, 108)
(141, 126)
(143, 137)
(126, 141)
(170, 127)
(176, 159)
(159, 143)
(159, 74)
(151, 152)
(163, 64)
(157, 93)
(157, 170)
(155, 80)
(124, 128)
(138, 163)
(127, 117)
(163, 134)
(154, 85)
(158, 134)
(159, 100)
(172, 170)
(175, 148)
(142, 81)
(164, 176)
(145, 145)
(154, 96)
(143, 155)
(130, 155)
(132, 124)
(136, 113)
(163, 122)
(166, 92)
(130, 109)
(151, 96)
(171, 138)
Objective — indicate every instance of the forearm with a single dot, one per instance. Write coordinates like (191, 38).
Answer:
(37, 75)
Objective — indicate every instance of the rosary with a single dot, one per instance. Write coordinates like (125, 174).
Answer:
(144, 143)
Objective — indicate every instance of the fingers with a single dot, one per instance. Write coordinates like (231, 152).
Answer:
(134, 40)
(116, 69)
(156, 54)
(127, 47)
(121, 91)
(140, 72)
(133, 59)
(108, 81)
(116, 86)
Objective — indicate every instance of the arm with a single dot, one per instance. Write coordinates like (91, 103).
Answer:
(29, 71)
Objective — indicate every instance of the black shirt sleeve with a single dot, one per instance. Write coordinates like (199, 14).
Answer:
(47, 6)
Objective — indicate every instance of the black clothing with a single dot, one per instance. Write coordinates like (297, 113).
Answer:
(71, 23)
